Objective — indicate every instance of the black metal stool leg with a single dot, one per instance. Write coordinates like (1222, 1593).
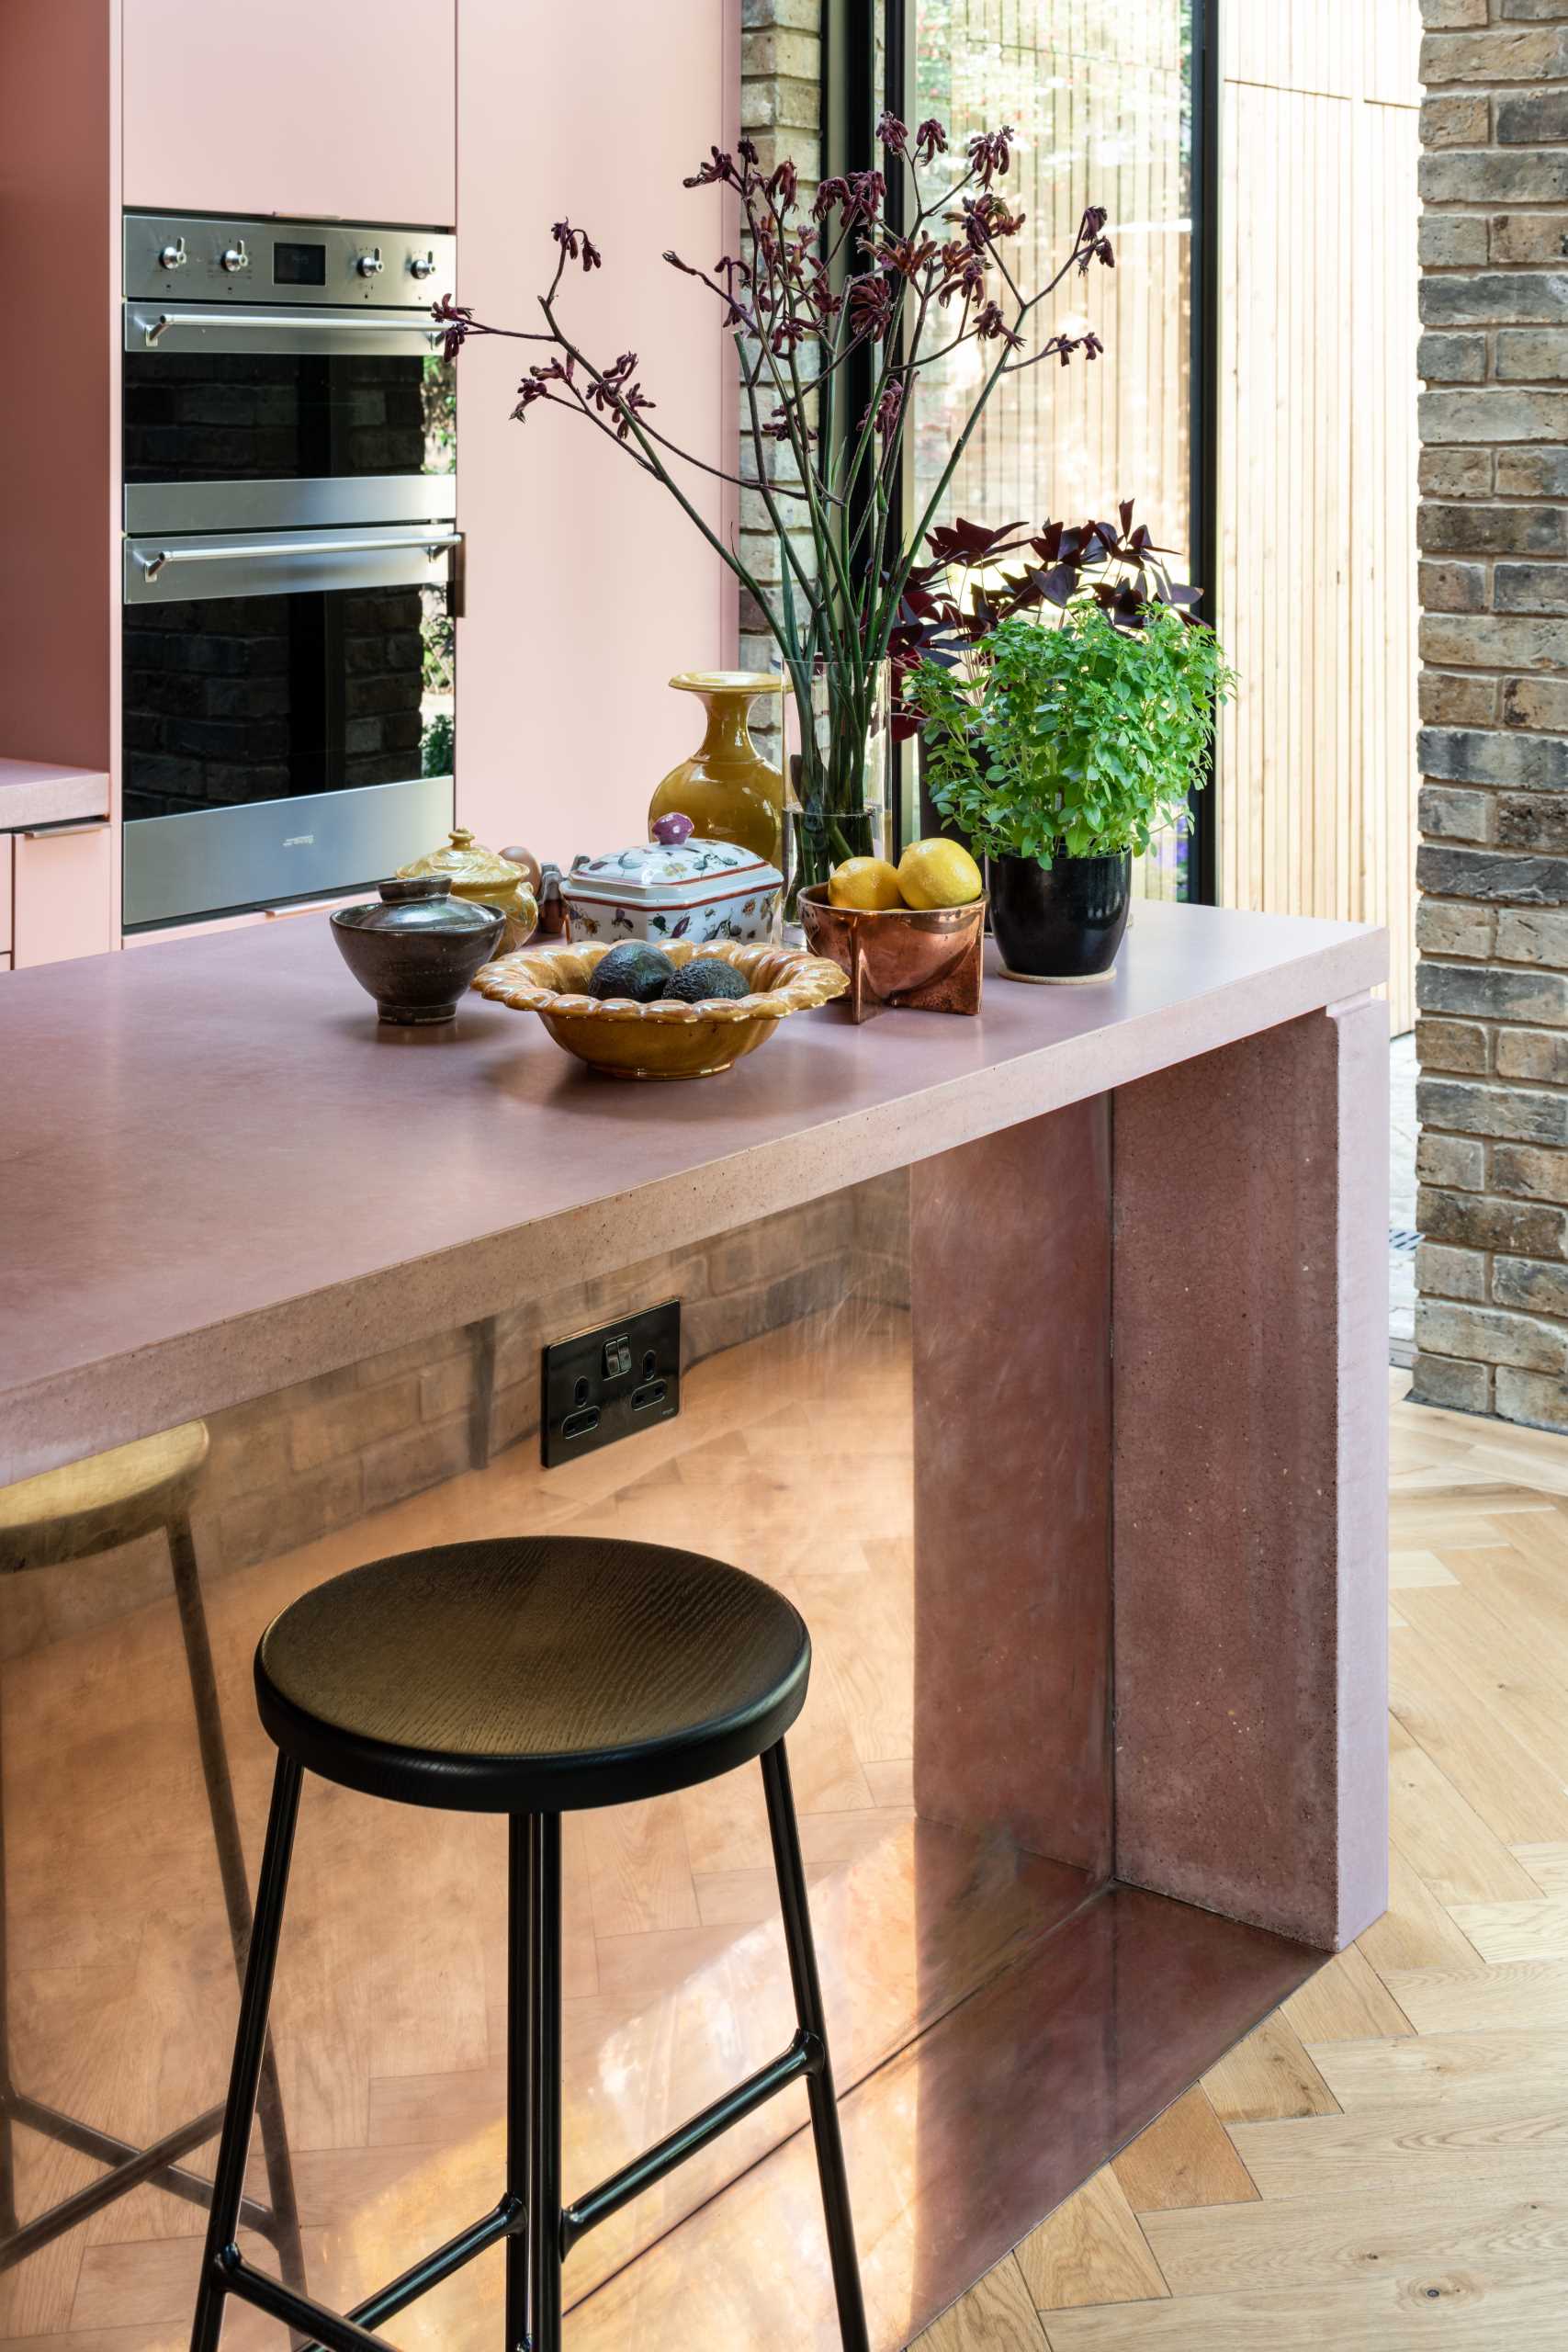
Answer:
(250, 2048)
(541, 1837)
(519, 2073)
(8, 2224)
(225, 1821)
(820, 2082)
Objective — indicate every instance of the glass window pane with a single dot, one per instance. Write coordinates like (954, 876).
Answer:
(1100, 99)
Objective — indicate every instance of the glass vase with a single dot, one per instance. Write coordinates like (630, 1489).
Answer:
(838, 806)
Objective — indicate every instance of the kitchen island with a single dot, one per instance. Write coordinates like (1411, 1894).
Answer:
(1039, 1358)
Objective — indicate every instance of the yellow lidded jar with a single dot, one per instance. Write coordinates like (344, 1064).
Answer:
(484, 879)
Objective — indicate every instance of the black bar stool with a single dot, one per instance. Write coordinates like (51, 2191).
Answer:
(530, 1678)
(89, 1506)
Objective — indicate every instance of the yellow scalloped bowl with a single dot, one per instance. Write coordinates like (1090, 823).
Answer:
(663, 1039)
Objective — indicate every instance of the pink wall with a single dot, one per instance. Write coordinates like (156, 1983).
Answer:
(313, 106)
(587, 589)
(59, 426)
(56, 418)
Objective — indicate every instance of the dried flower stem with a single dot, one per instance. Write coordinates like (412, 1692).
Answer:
(840, 282)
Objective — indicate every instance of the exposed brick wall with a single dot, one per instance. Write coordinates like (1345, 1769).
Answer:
(781, 112)
(1492, 1321)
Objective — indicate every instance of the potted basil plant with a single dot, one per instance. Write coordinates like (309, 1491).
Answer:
(1059, 751)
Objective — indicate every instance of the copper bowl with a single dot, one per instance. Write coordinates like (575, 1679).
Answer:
(927, 958)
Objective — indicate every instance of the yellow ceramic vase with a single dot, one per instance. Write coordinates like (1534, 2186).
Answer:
(726, 787)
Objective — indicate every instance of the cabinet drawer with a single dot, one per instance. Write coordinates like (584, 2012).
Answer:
(63, 896)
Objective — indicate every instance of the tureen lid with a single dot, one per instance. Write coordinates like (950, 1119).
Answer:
(466, 861)
(674, 862)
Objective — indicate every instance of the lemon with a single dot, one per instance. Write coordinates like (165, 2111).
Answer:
(865, 882)
(937, 873)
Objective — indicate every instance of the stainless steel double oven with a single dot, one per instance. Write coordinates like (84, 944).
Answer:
(292, 561)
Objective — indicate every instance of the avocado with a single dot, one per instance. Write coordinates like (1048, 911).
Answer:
(707, 976)
(634, 969)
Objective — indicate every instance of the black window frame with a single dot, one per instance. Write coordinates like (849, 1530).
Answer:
(853, 95)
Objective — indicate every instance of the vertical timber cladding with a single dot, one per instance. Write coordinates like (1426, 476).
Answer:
(1492, 1319)
(1317, 462)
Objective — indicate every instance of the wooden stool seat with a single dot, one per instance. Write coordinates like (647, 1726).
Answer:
(533, 1675)
(108, 1499)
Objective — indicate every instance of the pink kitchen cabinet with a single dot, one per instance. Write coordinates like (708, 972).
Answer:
(586, 588)
(6, 900)
(64, 895)
(319, 107)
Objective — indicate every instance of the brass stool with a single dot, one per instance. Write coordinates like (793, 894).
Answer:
(67, 1515)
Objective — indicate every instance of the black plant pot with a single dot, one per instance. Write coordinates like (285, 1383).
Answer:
(1061, 921)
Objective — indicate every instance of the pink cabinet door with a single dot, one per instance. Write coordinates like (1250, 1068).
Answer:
(6, 897)
(586, 588)
(64, 895)
(319, 107)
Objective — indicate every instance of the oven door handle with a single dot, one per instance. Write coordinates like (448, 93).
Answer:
(153, 329)
(152, 560)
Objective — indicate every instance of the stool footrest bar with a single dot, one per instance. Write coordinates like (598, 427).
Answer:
(803, 2057)
(300, 2312)
(128, 2167)
(506, 2220)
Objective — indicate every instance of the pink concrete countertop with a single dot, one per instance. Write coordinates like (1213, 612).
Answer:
(218, 1175)
(36, 792)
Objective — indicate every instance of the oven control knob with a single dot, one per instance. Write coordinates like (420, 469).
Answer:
(235, 257)
(370, 265)
(421, 266)
(173, 256)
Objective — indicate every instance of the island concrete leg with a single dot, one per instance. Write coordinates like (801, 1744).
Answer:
(1010, 1300)
(1251, 1476)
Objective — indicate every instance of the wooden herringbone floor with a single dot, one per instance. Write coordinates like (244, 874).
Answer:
(1383, 2164)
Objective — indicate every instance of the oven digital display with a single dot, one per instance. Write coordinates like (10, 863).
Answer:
(299, 265)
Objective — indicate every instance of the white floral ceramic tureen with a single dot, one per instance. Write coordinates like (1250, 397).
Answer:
(672, 887)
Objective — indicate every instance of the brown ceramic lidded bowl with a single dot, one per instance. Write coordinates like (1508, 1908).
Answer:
(925, 959)
(417, 951)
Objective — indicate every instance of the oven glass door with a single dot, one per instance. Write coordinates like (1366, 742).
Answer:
(256, 419)
(203, 415)
(287, 716)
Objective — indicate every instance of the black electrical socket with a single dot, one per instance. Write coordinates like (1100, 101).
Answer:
(603, 1385)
